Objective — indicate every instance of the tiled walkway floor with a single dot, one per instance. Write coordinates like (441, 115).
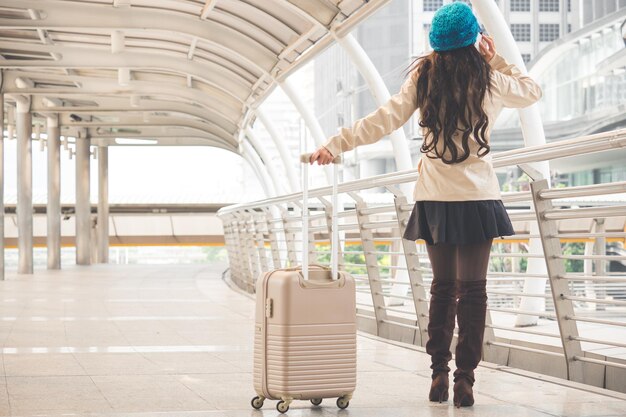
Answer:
(176, 341)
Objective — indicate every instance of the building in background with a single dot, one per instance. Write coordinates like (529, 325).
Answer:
(592, 10)
(398, 33)
(534, 23)
(341, 94)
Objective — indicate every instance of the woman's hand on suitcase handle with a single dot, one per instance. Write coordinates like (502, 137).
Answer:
(322, 156)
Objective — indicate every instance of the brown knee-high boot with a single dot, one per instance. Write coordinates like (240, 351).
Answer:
(441, 312)
(471, 314)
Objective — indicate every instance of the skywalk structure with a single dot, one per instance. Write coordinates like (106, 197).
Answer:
(196, 73)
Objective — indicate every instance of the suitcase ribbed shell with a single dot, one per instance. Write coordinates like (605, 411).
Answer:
(309, 330)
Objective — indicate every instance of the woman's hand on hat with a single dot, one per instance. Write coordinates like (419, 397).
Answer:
(322, 156)
(487, 47)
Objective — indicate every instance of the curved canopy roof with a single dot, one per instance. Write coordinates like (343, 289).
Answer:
(183, 72)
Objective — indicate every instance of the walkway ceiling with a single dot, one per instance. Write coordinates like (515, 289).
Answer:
(183, 72)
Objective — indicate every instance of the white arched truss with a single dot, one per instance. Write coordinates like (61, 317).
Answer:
(169, 72)
(221, 55)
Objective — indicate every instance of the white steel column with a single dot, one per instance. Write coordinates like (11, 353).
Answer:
(53, 208)
(564, 20)
(309, 118)
(399, 144)
(83, 204)
(250, 155)
(532, 130)
(103, 204)
(24, 186)
(279, 142)
(376, 84)
(267, 162)
(1, 186)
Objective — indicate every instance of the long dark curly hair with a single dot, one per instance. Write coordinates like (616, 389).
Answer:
(451, 86)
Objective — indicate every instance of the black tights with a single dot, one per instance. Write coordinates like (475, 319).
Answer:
(459, 262)
(458, 289)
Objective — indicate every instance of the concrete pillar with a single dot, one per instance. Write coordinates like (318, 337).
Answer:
(53, 208)
(83, 205)
(1, 187)
(103, 204)
(24, 187)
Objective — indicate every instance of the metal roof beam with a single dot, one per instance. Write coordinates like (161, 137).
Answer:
(151, 122)
(229, 88)
(183, 140)
(207, 8)
(93, 86)
(110, 105)
(63, 15)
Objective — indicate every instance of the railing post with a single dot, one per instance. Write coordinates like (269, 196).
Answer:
(243, 248)
(253, 257)
(236, 273)
(599, 248)
(259, 224)
(310, 239)
(233, 260)
(371, 264)
(413, 268)
(292, 257)
(564, 308)
(328, 212)
(227, 244)
(271, 231)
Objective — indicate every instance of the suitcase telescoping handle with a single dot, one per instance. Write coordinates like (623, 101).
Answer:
(334, 260)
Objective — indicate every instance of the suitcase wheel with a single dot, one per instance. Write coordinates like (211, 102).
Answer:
(316, 401)
(343, 402)
(282, 407)
(257, 403)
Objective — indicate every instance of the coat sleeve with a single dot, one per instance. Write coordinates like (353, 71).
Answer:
(512, 87)
(381, 122)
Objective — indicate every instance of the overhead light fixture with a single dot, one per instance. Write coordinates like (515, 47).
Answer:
(135, 100)
(121, 3)
(52, 102)
(117, 41)
(22, 82)
(123, 76)
(127, 141)
(76, 118)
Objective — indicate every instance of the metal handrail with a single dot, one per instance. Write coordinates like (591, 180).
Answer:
(592, 297)
(586, 144)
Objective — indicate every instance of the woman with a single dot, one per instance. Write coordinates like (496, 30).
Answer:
(459, 91)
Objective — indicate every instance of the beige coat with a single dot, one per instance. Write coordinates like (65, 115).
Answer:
(472, 179)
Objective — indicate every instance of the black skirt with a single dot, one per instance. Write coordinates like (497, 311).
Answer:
(458, 222)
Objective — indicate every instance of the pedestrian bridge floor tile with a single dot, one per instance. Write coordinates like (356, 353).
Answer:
(176, 341)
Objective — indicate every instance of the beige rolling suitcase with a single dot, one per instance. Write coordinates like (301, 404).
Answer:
(305, 329)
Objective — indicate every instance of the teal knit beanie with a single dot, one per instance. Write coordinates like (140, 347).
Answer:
(453, 26)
